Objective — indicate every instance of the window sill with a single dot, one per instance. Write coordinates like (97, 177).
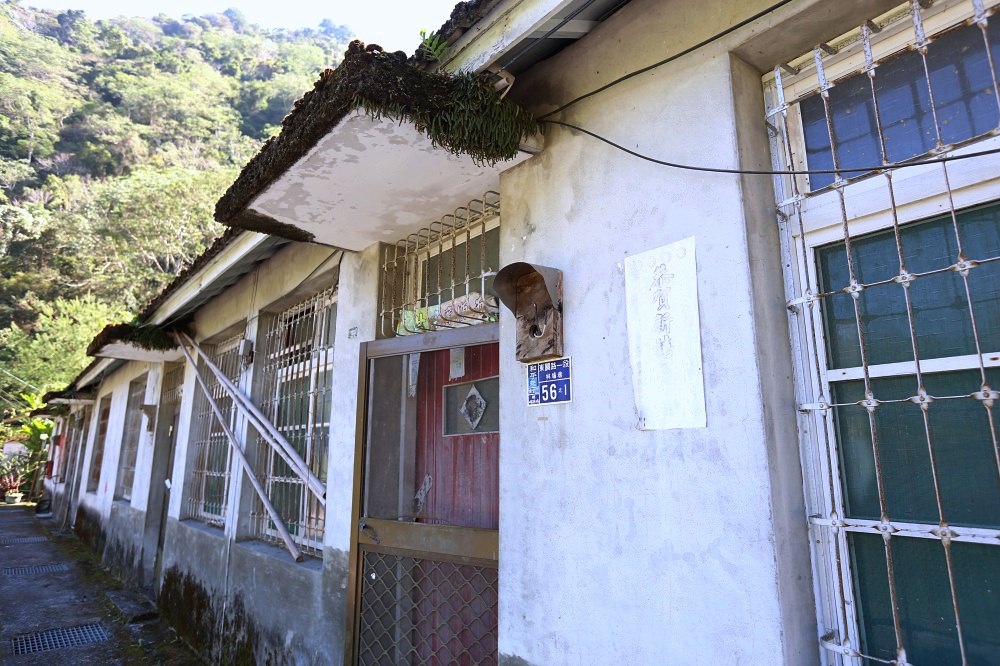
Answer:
(195, 524)
(279, 553)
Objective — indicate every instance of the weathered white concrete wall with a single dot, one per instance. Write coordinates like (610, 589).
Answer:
(357, 305)
(240, 589)
(657, 547)
(115, 384)
(144, 453)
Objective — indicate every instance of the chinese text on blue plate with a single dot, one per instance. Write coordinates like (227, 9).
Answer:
(549, 382)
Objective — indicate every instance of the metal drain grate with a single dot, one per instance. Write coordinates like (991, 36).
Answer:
(4, 541)
(53, 639)
(40, 569)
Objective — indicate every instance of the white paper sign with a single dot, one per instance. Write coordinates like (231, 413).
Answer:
(456, 367)
(664, 337)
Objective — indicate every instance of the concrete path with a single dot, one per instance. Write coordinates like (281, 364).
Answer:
(57, 606)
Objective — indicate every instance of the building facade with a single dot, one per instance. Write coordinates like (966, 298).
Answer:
(759, 241)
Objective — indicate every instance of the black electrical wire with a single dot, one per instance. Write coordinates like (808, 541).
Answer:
(681, 54)
(774, 172)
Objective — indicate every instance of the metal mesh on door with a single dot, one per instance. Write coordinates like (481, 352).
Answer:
(423, 611)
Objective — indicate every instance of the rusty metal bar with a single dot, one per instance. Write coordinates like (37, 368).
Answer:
(435, 291)
(264, 427)
(804, 308)
(870, 402)
(296, 362)
(829, 461)
(238, 450)
(922, 398)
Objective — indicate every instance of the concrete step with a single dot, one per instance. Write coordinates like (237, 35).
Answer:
(132, 606)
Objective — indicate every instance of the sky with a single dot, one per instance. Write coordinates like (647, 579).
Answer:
(393, 24)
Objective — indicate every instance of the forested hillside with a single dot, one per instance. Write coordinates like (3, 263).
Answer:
(116, 139)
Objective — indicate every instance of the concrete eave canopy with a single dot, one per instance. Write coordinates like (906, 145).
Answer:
(129, 351)
(379, 148)
(71, 401)
(375, 180)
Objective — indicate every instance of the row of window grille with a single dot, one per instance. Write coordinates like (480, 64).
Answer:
(441, 276)
(97, 455)
(295, 395)
(130, 438)
(207, 498)
(74, 441)
(173, 384)
(907, 502)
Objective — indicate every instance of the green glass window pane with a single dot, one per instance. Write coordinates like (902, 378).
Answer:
(977, 581)
(940, 305)
(287, 499)
(451, 267)
(871, 588)
(963, 447)
(883, 307)
(963, 85)
(330, 326)
(293, 402)
(853, 117)
(280, 468)
(215, 495)
(924, 597)
(324, 380)
(980, 229)
(320, 444)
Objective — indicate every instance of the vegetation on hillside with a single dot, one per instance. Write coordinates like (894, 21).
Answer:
(116, 139)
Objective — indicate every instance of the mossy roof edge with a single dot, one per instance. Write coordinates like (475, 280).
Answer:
(463, 16)
(461, 113)
(148, 337)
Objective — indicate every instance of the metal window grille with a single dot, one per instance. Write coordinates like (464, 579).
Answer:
(441, 276)
(74, 439)
(209, 489)
(173, 384)
(97, 457)
(425, 611)
(130, 442)
(894, 314)
(296, 396)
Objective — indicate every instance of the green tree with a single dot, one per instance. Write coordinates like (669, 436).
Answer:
(53, 350)
(31, 114)
(116, 139)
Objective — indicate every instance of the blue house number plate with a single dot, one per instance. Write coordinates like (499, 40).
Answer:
(549, 382)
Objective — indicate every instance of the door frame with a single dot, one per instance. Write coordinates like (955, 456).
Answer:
(483, 543)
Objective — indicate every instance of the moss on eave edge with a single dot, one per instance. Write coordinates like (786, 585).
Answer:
(147, 337)
(461, 113)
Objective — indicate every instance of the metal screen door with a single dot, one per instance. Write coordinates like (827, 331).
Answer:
(424, 555)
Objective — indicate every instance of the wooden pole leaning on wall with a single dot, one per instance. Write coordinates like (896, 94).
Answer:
(264, 427)
(279, 524)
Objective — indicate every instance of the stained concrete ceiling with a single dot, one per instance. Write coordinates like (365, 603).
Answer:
(374, 180)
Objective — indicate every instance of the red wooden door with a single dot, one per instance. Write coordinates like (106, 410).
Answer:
(427, 540)
(463, 468)
(460, 473)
